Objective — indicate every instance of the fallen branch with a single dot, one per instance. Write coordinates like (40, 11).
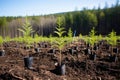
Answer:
(17, 77)
(12, 60)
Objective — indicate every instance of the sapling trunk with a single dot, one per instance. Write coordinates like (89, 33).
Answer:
(60, 57)
(2, 53)
(112, 50)
(92, 49)
(1, 46)
(51, 43)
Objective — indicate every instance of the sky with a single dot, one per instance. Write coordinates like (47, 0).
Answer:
(43, 7)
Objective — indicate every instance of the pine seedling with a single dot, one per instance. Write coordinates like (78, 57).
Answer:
(80, 36)
(93, 38)
(7, 38)
(1, 41)
(26, 29)
(60, 43)
(100, 37)
(70, 33)
(112, 39)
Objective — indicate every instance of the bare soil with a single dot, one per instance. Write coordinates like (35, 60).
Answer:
(78, 65)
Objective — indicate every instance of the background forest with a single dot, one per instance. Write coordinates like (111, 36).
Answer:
(104, 20)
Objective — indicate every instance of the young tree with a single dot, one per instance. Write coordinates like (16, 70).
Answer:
(93, 38)
(112, 38)
(70, 33)
(60, 31)
(26, 29)
(1, 41)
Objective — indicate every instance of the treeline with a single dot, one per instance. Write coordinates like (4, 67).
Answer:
(104, 20)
